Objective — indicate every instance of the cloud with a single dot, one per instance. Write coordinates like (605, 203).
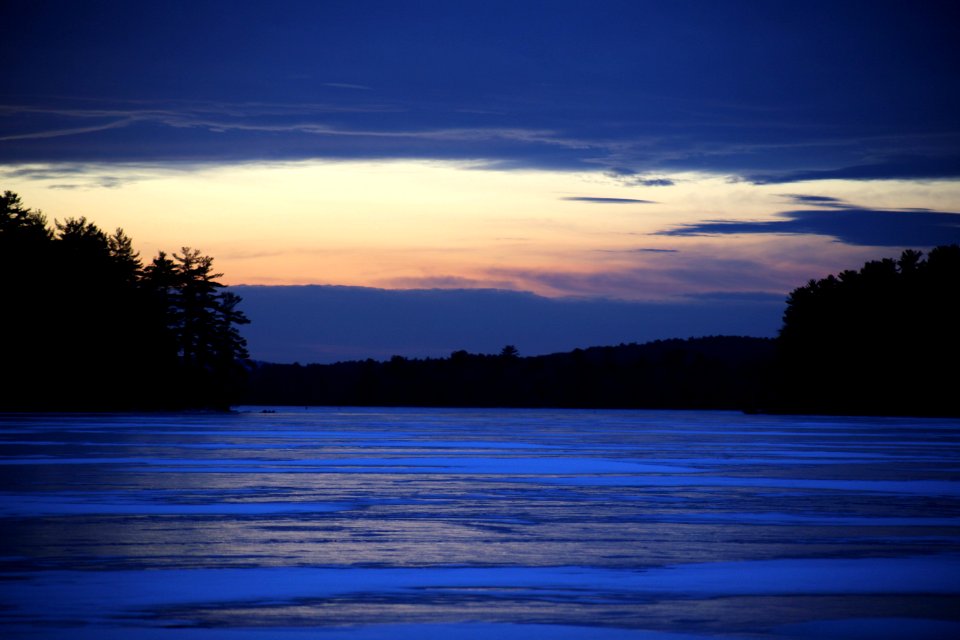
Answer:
(69, 176)
(911, 168)
(73, 131)
(667, 278)
(738, 296)
(638, 250)
(355, 127)
(854, 226)
(256, 255)
(445, 282)
(654, 182)
(631, 178)
(819, 201)
(202, 132)
(44, 172)
(105, 182)
(347, 85)
(501, 87)
(608, 200)
(327, 323)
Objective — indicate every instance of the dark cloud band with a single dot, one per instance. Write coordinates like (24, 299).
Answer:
(915, 168)
(609, 200)
(853, 226)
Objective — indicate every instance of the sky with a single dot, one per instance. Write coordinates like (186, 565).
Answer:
(620, 171)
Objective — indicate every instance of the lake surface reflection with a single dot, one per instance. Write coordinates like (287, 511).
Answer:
(431, 523)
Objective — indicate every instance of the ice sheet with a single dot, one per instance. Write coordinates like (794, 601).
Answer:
(381, 523)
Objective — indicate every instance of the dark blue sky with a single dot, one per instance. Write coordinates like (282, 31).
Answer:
(772, 91)
(327, 324)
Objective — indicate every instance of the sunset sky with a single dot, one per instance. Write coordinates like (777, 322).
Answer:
(680, 157)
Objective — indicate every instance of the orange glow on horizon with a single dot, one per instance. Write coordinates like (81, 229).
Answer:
(416, 224)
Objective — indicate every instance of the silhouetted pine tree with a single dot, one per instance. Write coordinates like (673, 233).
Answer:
(87, 326)
(26, 320)
(880, 340)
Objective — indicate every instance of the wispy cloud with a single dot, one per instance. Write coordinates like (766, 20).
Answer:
(608, 200)
(818, 201)
(256, 117)
(909, 168)
(71, 131)
(854, 226)
(631, 178)
(637, 250)
(355, 126)
(654, 182)
(239, 132)
(212, 116)
(649, 281)
(105, 182)
(739, 296)
(347, 85)
(44, 172)
(504, 87)
(446, 282)
(82, 175)
(256, 255)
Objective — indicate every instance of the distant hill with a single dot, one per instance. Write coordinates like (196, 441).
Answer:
(719, 372)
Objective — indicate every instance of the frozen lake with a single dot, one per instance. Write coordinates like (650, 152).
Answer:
(518, 524)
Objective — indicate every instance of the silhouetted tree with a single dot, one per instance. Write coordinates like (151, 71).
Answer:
(27, 317)
(205, 350)
(717, 373)
(880, 340)
(94, 294)
(509, 352)
(161, 283)
(20, 223)
(87, 326)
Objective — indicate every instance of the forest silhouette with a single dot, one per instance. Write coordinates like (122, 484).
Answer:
(882, 340)
(88, 326)
(722, 372)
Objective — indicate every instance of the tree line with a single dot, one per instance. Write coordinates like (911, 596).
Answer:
(722, 372)
(884, 339)
(880, 340)
(88, 326)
